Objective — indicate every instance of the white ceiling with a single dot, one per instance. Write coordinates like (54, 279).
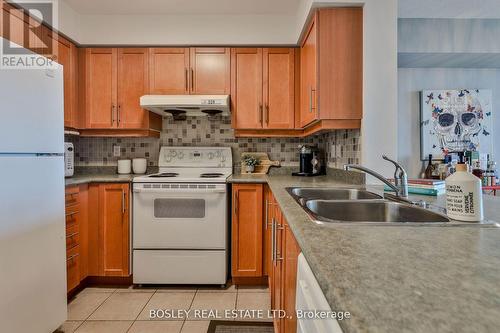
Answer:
(487, 9)
(185, 7)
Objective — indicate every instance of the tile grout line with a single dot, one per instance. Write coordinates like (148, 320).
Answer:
(86, 319)
(190, 305)
(142, 309)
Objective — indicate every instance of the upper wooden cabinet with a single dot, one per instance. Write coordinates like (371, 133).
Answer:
(199, 70)
(210, 71)
(133, 82)
(331, 60)
(65, 53)
(113, 81)
(169, 70)
(308, 75)
(279, 88)
(100, 88)
(246, 90)
(247, 237)
(262, 88)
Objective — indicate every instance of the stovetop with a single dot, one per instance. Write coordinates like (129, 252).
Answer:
(191, 164)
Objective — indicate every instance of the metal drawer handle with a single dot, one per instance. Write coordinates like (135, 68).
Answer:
(72, 257)
(72, 213)
(72, 235)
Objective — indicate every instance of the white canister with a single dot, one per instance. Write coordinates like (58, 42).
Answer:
(139, 165)
(124, 167)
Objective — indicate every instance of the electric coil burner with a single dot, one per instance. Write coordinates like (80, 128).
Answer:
(211, 175)
(180, 218)
(165, 175)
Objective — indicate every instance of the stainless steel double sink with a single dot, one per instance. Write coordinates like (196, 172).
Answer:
(337, 205)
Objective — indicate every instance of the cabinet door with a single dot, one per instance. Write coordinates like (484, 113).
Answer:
(291, 254)
(277, 275)
(308, 75)
(169, 70)
(246, 88)
(66, 55)
(210, 71)
(267, 223)
(113, 230)
(247, 230)
(22, 29)
(279, 88)
(100, 87)
(133, 82)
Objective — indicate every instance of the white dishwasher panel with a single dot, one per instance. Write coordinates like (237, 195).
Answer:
(310, 297)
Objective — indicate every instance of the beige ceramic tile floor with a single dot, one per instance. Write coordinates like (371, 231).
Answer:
(110, 310)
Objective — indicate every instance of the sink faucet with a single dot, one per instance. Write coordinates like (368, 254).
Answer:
(400, 185)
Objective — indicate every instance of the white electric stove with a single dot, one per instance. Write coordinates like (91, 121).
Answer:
(180, 218)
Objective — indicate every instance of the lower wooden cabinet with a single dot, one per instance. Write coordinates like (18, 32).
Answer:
(264, 245)
(97, 232)
(247, 230)
(113, 237)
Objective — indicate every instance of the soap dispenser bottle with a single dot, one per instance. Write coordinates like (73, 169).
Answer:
(464, 196)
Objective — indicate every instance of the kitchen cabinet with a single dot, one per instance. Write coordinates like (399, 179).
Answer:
(269, 213)
(66, 54)
(279, 88)
(113, 231)
(113, 81)
(169, 68)
(263, 88)
(132, 83)
(197, 71)
(291, 251)
(246, 88)
(331, 67)
(283, 269)
(210, 71)
(308, 75)
(76, 235)
(21, 29)
(100, 87)
(97, 232)
(247, 237)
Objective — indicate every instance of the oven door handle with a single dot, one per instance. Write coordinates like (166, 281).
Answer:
(177, 190)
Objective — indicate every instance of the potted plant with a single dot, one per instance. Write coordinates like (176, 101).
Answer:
(250, 163)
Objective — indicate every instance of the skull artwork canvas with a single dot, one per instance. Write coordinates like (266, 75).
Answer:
(455, 121)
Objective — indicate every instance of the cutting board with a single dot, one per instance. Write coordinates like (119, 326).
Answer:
(263, 167)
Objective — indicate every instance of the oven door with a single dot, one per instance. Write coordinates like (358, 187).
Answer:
(179, 216)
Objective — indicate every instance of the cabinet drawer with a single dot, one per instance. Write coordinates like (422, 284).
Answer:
(72, 215)
(73, 267)
(72, 236)
(72, 196)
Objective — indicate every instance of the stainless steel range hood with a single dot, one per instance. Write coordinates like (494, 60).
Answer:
(186, 105)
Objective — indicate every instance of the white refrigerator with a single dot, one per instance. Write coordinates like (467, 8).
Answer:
(32, 218)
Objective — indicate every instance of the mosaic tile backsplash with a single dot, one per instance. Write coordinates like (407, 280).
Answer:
(340, 146)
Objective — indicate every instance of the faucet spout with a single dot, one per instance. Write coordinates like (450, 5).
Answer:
(400, 185)
(375, 174)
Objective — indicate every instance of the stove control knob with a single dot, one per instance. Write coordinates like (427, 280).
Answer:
(218, 154)
(210, 155)
(180, 155)
(173, 153)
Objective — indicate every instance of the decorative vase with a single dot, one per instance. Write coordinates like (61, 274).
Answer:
(250, 168)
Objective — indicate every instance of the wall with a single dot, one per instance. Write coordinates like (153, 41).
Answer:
(449, 8)
(413, 80)
(341, 146)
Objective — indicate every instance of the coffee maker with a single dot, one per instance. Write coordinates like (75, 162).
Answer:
(310, 162)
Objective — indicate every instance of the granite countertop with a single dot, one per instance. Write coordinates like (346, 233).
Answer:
(401, 278)
(98, 178)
